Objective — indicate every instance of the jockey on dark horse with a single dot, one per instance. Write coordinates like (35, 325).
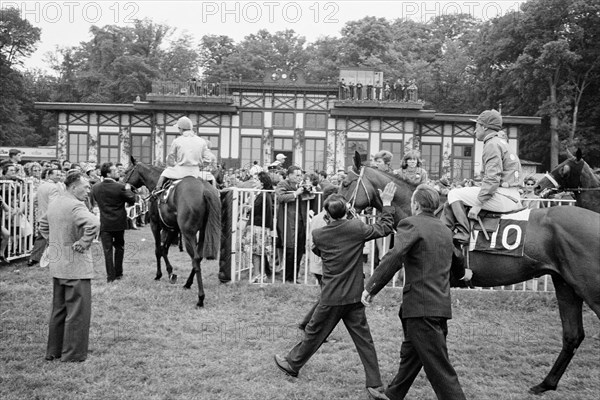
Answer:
(187, 155)
(502, 178)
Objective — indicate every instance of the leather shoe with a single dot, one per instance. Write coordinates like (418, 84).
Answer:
(283, 365)
(377, 393)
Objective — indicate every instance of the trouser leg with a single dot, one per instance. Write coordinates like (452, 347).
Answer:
(106, 239)
(355, 320)
(78, 300)
(409, 368)
(56, 326)
(323, 322)
(119, 246)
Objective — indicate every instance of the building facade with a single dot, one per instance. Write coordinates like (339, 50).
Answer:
(253, 121)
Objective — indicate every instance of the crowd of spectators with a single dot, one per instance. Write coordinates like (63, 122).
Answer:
(399, 90)
(20, 184)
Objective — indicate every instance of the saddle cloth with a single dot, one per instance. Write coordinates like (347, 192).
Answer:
(506, 232)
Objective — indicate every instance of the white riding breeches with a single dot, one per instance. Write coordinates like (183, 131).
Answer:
(498, 202)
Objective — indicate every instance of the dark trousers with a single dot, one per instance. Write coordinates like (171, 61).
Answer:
(39, 245)
(114, 266)
(323, 322)
(289, 261)
(424, 346)
(69, 328)
(310, 313)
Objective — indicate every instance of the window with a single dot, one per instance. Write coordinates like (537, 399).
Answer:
(251, 150)
(395, 148)
(282, 144)
(213, 143)
(315, 121)
(314, 154)
(431, 156)
(78, 147)
(252, 119)
(283, 120)
(362, 146)
(141, 147)
(109, 148)
(462, 162)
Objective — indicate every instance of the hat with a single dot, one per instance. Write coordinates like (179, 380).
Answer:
(280, 156)
(185, 123)
(490, 119)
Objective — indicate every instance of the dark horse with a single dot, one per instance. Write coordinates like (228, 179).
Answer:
(574, 175)
(193, 208)
(560, 241)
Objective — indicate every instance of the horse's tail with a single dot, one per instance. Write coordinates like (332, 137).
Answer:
(212, 233)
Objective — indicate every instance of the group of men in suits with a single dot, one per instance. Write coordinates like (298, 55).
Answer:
(423, 246)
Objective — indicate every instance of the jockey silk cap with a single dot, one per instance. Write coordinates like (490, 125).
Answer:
(490, 119)
(185, 123)
(280, 157)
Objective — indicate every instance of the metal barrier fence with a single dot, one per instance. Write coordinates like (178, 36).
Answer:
(243, 238)
(19, 221)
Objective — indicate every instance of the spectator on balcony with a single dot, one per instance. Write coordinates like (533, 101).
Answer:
(359, 91)
(342, 89)
(412, 91)
(351, 88)
(369, 90)
(192, 86)
(377, 91)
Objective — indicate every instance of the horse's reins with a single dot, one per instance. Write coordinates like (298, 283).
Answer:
(557, 185)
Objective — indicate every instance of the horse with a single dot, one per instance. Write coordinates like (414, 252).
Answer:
(193, 208)
(560, 241)
(573, 175)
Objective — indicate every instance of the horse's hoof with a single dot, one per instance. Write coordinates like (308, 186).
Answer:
(158, 277)
(187, 286)
(200, 303)
(173, 278)
(541, 388)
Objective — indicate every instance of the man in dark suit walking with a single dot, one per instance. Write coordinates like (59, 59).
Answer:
(110, 196)
(424, 245)
(340, 244)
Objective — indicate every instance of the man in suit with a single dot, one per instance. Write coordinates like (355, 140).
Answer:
(424, 244)
(340, 244)
(110, 196)
(291, 225)
(70, 228)
(48, 191)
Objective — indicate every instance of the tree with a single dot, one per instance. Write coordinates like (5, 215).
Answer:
(18, 38)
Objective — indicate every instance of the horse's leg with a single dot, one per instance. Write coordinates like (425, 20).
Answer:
(200, 286)
(190, 280)
(157, 249)
(171, 236)
(570, 309)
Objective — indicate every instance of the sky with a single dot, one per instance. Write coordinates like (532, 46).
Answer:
(67, 23)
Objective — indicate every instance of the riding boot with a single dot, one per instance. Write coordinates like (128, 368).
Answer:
(455, 218)
(159, 185)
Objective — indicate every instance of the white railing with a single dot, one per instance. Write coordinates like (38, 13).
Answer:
(20, 221)
(242, 267)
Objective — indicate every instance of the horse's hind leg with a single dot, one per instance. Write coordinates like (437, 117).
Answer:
(170, 239)
(157, 249)
(200, 286)
(570, 308)
(190, 280)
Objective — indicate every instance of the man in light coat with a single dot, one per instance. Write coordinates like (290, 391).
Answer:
(70, 229)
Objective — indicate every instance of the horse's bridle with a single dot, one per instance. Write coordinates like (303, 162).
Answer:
(360, 175)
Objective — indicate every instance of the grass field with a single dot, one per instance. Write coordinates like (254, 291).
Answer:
(147, 341)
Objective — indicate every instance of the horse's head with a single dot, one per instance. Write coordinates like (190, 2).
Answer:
(566, 175)
(139, 174)
(358, 189)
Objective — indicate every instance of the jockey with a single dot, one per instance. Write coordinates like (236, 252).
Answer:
(187, 155)
(502, 178)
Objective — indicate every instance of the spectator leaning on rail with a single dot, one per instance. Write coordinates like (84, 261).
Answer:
(70, 229)
(500, 185)
(111, 196)
(187, 154)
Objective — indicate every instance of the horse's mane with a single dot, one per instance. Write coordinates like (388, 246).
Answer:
(395, 178)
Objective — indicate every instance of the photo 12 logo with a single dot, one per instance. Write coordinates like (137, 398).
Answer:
(75, 11)
(423, 11)
(269, 12)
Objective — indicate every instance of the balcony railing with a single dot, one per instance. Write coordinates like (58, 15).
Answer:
(190, 88)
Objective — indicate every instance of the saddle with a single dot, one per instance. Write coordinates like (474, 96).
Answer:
(489, 220)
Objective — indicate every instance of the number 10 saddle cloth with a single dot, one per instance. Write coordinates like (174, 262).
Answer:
(506, 233)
